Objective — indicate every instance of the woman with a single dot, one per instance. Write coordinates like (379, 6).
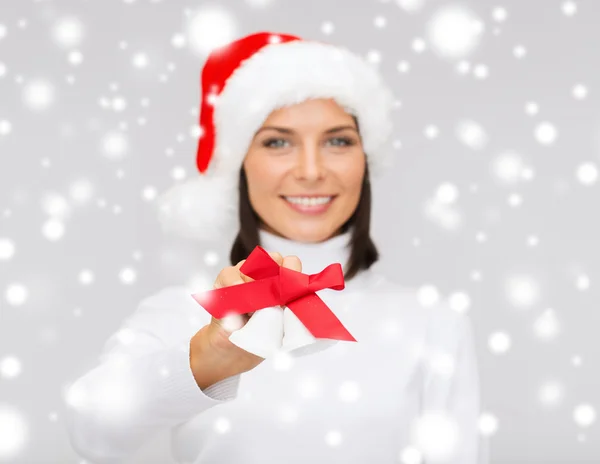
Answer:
(297, 127)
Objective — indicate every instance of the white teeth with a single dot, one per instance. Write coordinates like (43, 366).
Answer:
(306, 201)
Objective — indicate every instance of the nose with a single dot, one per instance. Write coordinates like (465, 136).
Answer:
(309, 164)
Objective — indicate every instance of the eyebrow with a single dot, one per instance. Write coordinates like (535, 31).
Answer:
(285, 130)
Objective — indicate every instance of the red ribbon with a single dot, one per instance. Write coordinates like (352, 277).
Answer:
(274, 285)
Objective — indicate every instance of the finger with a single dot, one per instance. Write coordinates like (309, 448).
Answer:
(276, 257)
(227, 277)
(292, 262)
(244, 277)
(231, 323)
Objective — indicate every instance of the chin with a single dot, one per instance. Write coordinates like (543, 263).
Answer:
(308, 229)
(310, 233)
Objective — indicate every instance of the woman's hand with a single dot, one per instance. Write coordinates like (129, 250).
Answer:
(212, 356)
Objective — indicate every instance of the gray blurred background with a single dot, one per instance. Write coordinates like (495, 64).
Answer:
(492, 203)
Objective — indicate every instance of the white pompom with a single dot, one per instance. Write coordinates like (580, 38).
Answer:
(202, 208)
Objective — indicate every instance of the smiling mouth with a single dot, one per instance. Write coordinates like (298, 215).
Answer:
(312, 200)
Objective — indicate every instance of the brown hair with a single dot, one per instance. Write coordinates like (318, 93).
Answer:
(363, 253)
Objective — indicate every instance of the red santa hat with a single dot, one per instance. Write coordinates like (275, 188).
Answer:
(242, 83)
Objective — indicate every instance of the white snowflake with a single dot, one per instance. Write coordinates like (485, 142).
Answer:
(7, 249)
(499, 14)
(10, 367)
(209, 28)
(488, 424)
(68, 32)
(454, 31)
(53, 229)
(584, 415)
(38, 94)
(587, 173)
(546, 133)
(472, 134)
(447, 193)
(499, 342)
(14, 431)
(5, 127)
(428, 295)
(551, 393)
(327, 28)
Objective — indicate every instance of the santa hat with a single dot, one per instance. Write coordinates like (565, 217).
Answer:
(242, 83)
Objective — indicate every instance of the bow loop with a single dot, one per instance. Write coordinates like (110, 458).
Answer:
(259, 265)
(331, 277)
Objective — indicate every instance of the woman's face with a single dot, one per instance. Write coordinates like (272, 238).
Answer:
(305, 169)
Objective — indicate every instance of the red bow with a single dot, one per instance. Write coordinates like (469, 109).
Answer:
(274, 285)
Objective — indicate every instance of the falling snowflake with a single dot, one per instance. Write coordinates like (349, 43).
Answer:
(53, 229)
(472, 134)
(7, 249)
(569, 8)
(411, 455)
(68, 32)
(428, 295)
(327, 28)
(481, 71)
(333, 438)
(580, 92)
(5, 127)
(411, 6)
(551, 393)
(447, 193)
(14, 431)
(587, 173)
(499, 342)
(547, 326)
(39, 94)
(86, 277)
(488, 424)
(418, 45)
(584, 415)
(454, 31)
(546, 133)
(436, 434)
(128, 276)
(459, 302)
(532, 108)
(10, 367)
(508, 167)
(115, 145)
(522, 290)
(140, 60)
(499, 14)
(210, 28)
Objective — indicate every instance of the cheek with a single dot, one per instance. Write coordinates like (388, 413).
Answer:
(263, 181)
(352, 179)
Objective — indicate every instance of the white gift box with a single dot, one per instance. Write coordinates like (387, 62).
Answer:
(275, 329)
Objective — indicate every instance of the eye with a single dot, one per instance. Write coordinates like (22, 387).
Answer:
(342, 141)
(274, 143)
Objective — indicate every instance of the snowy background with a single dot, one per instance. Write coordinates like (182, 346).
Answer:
(492, 204)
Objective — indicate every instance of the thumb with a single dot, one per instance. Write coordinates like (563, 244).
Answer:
(292, 262)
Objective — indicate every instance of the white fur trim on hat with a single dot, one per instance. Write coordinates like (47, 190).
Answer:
(283, 74)
(201, 208)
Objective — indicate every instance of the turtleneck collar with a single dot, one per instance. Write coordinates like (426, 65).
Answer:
(314, 256)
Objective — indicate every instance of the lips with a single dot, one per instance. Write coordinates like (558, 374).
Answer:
(311, 200)
(309, 204)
